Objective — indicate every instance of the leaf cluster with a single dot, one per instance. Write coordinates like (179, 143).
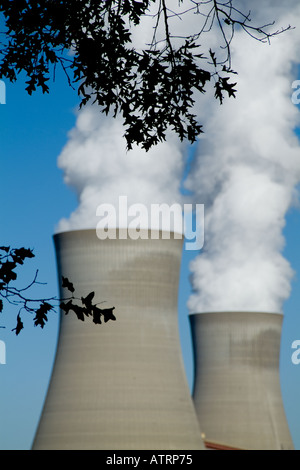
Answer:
(153, 88)
(86, 308)
(10, 260)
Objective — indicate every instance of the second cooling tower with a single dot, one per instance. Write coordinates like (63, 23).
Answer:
(120, 385)
(237, 391)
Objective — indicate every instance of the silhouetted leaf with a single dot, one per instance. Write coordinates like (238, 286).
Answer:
(24, 253)
(97, 313)
(6, 272)
(41, 314)
(213, 57)
(66, 307)
(67, 284)
(87, 301)
(108, 314)
(19, 326)
(79, 311)
(19, 255)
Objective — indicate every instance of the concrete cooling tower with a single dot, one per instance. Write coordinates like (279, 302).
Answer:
(120, 385)
(237, 391)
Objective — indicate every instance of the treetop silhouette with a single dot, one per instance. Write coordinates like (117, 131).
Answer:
(153, 87)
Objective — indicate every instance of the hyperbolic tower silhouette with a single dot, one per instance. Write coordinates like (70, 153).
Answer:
(237, 392)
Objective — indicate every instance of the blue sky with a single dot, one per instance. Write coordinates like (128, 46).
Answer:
(33, 130)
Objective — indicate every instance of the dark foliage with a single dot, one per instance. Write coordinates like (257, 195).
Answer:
(86, 308)
(10, 259)
(153, 88)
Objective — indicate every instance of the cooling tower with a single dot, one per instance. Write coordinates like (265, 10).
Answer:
(237, 391)
(120, 385)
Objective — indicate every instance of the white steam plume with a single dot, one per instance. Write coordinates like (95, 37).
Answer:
(97, 166)
(245, 172)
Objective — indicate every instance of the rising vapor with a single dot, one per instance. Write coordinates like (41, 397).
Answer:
(98, 168)
(246, 173)
(246, 169)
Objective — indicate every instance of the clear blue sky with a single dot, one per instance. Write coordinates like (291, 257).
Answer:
(33, 131)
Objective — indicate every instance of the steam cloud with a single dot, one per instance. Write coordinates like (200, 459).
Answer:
(97, 166)
(246, 170)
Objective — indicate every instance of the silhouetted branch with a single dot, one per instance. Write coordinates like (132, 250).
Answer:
(153, 88)
(83, 307)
